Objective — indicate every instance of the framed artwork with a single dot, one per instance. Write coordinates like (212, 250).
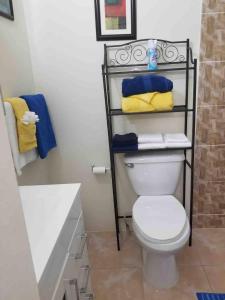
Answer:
(6, 9)
(115, 20)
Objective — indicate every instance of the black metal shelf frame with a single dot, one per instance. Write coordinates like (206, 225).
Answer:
(131, 58)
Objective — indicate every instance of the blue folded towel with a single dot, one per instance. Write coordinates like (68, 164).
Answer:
(125, 139)
(125, 149)
(146, 84)
(112, 2)
(45, 134)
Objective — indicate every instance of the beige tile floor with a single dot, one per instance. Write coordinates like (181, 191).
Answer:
(118, 275)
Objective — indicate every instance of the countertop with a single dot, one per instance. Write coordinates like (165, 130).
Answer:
(46, 208)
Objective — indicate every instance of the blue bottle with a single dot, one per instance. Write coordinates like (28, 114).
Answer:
(152, 54)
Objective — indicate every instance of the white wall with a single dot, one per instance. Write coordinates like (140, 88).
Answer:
(16, 76)
(17, 278)
(67, 68)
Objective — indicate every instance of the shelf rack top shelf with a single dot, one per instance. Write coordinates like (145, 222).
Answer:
(132, 57)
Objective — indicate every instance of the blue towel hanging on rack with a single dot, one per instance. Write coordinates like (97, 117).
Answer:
(45, 134)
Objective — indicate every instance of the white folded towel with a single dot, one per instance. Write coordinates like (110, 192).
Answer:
(175, 138)
(20, 159)
(151, 146)
(178, 145)
(150, 138)
(30, 118)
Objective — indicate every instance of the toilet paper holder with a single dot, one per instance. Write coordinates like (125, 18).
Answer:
(100, 169)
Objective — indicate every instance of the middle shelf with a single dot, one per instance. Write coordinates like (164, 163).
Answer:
(156, 149)
(177, 108)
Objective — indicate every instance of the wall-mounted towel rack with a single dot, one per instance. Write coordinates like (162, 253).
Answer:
(131, 59)
(1, 96)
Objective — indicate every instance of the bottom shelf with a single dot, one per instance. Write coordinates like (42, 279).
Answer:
(153, 150)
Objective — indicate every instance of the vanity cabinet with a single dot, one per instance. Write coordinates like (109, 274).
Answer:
(58, 241)
(74, 281)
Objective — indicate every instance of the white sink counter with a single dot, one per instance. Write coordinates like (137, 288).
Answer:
(46, 208)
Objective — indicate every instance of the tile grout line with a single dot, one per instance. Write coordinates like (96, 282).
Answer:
(210, 215)
(210, 286)
(116, 268)
(213, 13)
(215, 181)
(211, 105)
(211, 61)
(209, 145)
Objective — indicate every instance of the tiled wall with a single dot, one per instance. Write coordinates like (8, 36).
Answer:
(209, 207)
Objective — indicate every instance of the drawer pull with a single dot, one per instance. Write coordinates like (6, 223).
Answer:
(86, 270)
(73, 283)
(88, 297)
(80, 252)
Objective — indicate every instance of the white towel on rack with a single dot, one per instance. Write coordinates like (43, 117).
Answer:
(178, 145)
(150, 138)
(151, 146)
(176, 140)
(20, 159)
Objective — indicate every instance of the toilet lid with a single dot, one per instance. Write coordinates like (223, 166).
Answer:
(159, 218)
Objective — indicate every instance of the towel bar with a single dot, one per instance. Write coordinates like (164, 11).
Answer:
(1, 96)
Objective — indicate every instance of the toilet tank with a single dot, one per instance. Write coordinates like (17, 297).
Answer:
(154, 173)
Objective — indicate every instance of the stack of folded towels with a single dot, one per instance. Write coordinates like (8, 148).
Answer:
(125, 142)
(150, 141)
(131, 142)
(147, 93)
(176, 140)
(159, 141)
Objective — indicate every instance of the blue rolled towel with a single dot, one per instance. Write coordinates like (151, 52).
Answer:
(146, 84)
(125, 139)
(45, 134)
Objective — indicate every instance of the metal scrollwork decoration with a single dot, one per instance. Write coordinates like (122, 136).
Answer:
(139, 53)
(123, 56)
(169, 53)
(166, 52)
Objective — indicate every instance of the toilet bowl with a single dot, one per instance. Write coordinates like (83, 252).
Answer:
(162, 228)
(160, 222)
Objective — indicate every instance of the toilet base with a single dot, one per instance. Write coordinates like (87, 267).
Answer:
(160, 270)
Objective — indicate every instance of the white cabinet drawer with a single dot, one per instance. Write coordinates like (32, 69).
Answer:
(78, 241)
(71, 224)
(75, 280)
(75, 276)
(56, 261)
(84, 280)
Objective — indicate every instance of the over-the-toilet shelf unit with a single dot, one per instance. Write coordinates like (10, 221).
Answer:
(131, 59)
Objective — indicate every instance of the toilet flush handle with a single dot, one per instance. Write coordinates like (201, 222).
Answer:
(129, 165)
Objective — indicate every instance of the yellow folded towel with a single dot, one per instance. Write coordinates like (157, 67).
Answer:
(148, 102)
(26, 133)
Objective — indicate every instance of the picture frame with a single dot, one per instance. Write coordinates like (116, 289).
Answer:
(6, 9)
(115, 20)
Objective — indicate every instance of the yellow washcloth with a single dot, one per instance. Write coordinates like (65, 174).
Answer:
(148, 102)
(26, 133)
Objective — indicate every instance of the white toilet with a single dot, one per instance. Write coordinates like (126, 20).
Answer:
(160, 222)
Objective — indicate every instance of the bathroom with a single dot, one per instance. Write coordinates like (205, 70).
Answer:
(52, 49)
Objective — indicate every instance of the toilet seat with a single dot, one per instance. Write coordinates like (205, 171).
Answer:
(160, 219)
